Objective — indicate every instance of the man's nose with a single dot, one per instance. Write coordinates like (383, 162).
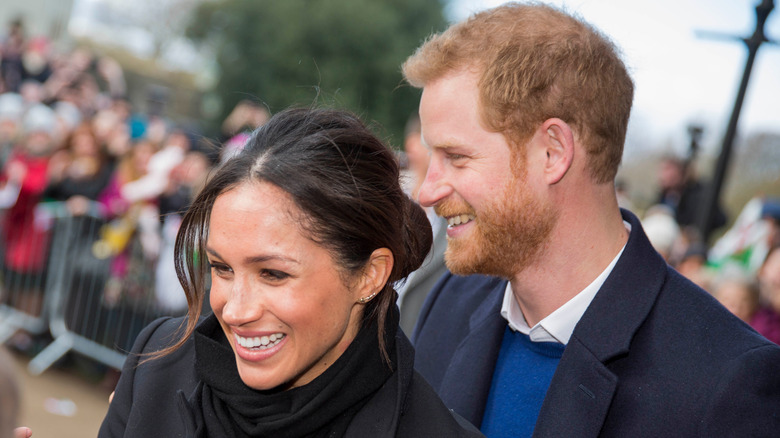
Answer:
(434, 188)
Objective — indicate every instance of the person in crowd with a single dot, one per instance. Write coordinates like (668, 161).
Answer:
(131, 236)
(185, 181)
(12, 49)
(24, 239)
(575, 326)
(304, 247)
(158, 171)
(738, 293)
(80, 171)
(662, 230)
(681, 190)
(693, 266)
(413, 291)
(767, 319)
(112, 129)
(11, 112)
(770, 215)
(245, 117)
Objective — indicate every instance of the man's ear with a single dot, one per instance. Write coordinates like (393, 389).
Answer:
(375, 274)
(558, 141)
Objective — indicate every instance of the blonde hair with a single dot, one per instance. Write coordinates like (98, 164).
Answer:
(537, 62)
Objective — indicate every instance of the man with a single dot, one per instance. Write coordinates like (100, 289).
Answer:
(581, 329)
(413, 291)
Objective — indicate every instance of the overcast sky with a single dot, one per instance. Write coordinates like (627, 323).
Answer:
(682, 78)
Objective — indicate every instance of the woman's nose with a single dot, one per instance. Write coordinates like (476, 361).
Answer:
(242, 306)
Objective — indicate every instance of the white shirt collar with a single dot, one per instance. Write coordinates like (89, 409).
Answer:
(559, 325)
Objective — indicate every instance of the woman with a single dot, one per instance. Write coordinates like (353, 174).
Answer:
(305, 233)
(80, 171)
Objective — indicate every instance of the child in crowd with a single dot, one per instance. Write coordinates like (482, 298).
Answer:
(24, 239)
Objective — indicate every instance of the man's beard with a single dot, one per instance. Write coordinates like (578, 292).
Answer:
(507, 236)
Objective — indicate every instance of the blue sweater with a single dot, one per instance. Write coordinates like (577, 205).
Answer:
(522, 375)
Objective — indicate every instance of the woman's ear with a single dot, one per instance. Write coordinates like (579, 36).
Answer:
(375, 274)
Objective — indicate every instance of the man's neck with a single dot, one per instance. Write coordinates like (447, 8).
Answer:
(579, 249)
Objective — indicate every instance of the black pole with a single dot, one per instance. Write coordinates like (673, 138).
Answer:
(707, 214)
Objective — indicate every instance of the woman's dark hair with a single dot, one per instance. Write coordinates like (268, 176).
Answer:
(343, 179)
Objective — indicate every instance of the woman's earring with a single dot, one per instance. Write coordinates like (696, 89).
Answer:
(364, 300)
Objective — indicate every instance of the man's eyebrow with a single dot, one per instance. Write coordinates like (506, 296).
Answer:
(447, 144)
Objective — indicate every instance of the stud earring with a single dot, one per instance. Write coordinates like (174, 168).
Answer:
(364, 300)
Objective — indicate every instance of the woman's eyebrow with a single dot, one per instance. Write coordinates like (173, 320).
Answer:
(258, 258)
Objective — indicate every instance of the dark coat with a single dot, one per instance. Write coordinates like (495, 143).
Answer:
(653, 355)
(145, 404)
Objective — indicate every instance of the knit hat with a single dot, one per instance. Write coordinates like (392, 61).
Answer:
(68, 113)
(40, 118)
(11, 106)
(661, 229)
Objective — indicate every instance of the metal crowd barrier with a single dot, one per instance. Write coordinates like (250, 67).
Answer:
(24, 303)
(86, 309)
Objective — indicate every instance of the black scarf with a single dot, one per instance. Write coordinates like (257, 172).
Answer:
(223, 406)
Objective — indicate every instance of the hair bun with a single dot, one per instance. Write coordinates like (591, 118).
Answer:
(418, 236)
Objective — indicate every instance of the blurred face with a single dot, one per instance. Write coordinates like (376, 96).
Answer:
(497, 220)
(8, 129)
(769, 279)
(84, 145)
(417, 153)
(669, 174)
(39, 143)
(142, 153)
(736, 297)
(279, 297)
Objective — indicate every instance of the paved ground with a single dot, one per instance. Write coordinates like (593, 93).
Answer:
(68, 401)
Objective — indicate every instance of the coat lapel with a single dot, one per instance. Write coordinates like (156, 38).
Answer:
(582, 388)
(579, 396)
(466, 384)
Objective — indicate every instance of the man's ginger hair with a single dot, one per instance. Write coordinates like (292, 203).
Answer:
(537, 62)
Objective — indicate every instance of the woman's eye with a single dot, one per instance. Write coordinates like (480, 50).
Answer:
(273, 274)
(219, 269)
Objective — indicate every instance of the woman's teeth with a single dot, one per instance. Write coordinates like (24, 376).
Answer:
(460, 219)
(261, 342)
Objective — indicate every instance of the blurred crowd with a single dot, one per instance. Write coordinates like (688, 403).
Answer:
(74, 147)
(70, 136)
(741, 268)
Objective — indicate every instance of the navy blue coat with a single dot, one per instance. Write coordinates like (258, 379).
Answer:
(653, 355)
